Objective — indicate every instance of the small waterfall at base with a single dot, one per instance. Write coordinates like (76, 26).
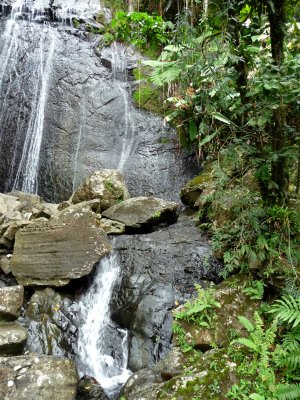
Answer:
(96, 356)
(119, 70)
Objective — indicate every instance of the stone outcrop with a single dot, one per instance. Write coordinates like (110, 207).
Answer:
(53, 252)
(33, 377)
(143, 213)
(107, 185)
(158, 270)
(12, 339)
(11, 300)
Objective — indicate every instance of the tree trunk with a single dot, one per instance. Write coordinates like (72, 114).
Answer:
(279, 167)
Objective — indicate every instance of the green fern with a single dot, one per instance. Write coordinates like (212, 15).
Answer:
(287, 310)
(288, 392)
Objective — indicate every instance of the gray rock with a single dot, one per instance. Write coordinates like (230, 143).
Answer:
(12, 339)
(158, 269)
(145, 383)
(35, 377)
(144, 213)
(11, 300)
(52, 253)
(51, 323)
(107, 185)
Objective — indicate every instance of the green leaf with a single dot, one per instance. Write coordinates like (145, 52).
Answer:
(193, 129)
(221, 118)
(208, 138)
(255, 396)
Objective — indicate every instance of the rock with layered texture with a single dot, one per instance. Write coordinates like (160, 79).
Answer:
(143, 213)
(12, 338)
(53, 252)
(11, 300)
(107, 185)
(33, 377)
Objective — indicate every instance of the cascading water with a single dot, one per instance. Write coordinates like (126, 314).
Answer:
(26, 178)
(119, 70)
(13, 51)
(96, 357)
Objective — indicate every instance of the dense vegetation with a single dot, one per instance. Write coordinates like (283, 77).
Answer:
(230, 76)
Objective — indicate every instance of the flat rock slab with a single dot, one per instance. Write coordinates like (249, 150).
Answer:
(143, 213)
(12, 339)
(35, 377)
(11, 300)
(53, 252)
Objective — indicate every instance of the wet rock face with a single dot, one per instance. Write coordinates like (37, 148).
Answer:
(51, 253)
(35, 377)
(51, 321)
(158, 269)
(84, 122)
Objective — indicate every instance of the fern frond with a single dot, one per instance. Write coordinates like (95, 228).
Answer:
(166, 75)
(247, 324)
(288, 392)
(291, 340)
(292, 360)
(287, 310)
(247, 342)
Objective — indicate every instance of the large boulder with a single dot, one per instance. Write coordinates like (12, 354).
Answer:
(53, 252)
(12, 339)
(143, 213)
(33, 377)
(11, 300)
(107, 185)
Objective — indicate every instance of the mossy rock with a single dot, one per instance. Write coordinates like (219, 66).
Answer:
(195, 187)
(210, 377)
(226, 326)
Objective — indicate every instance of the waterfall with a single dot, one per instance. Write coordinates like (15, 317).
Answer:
(26, 178)
(119, 70)
(96, 358)
(14, 50)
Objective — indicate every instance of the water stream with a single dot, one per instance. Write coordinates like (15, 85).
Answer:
(119, 70)
(27, 173)
(106, 362)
